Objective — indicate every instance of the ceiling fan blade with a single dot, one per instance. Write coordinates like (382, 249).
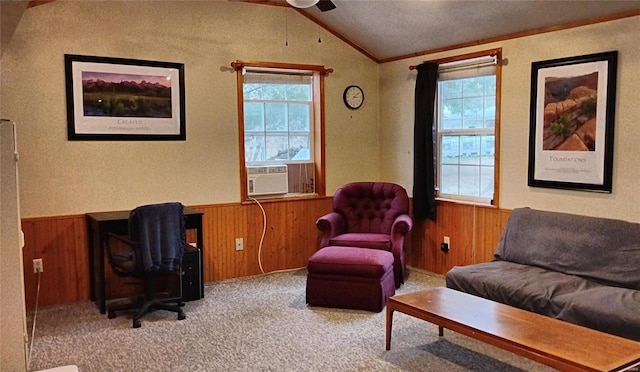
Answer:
(325, 5)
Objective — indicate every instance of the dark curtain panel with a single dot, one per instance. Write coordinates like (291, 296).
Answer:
(424, 202)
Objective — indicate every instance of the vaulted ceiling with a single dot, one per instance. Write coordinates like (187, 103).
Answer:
(394, 29)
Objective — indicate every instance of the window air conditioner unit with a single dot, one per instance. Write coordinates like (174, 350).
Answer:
(267, 180)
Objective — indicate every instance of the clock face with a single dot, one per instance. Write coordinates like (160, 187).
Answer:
(353, 97)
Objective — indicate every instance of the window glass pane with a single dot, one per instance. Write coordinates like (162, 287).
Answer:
(252, 91)
(486, 182)
(277, 147)
(299, 147)
(451, 111)
(470, 150)
(274, 92)
(253, 117)
(451, 89)
(473, 87)
(469, 180)
(490, 85)
(276, 116)
(449, 179)
(489, 112)
(473, 112)
(299, 117)
(299, 92)
(254, 149)
(450, 150)
(487, 150)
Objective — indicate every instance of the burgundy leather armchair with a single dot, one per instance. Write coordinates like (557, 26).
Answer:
(369, 215)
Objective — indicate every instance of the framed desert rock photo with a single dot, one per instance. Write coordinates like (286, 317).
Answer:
(572, 121)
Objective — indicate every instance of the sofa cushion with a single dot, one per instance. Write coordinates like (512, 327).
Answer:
(609, 309)
(362, 240)
(567, 297)
(526, 287)
(603, 249)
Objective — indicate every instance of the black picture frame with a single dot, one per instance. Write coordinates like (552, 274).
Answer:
(120, 99)
(572, 112)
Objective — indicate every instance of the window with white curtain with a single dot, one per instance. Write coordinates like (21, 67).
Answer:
(466, 129)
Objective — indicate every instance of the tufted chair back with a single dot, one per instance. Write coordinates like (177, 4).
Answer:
(370, 207)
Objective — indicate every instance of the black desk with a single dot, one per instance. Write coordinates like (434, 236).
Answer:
(102, 223)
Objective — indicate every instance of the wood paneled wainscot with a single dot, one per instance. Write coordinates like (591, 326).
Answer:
(291, 238)
(474, 232)
(61, 242)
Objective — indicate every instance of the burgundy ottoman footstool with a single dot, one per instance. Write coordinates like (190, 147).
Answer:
(350, 278)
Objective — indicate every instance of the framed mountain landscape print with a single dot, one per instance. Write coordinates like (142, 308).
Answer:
(124, 99)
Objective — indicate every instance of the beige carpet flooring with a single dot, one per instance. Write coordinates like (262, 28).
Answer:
(260, 323)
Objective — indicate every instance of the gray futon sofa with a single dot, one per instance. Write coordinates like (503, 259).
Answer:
(584, 270)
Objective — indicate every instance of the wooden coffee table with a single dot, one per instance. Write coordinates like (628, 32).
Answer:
(550, 341)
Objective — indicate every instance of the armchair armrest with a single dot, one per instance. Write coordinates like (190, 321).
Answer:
(330, 225)
(401, 226)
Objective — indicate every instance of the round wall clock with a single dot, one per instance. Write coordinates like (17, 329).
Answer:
(353, 97)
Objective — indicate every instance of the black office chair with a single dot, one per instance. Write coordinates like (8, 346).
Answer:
(154, 247)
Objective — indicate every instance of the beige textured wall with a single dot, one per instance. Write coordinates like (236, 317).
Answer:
(67, 177)
(396, 118)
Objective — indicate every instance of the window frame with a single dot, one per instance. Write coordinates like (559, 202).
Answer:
(318, 73)
(481, 201)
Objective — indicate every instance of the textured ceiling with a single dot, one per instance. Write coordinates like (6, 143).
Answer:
(388, 29)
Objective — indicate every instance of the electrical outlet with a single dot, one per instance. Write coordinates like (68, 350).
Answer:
(37, 265)
(445, 245)
(239, 244)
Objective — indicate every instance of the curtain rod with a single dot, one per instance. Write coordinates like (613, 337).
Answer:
(494, 61)
(239, 65)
